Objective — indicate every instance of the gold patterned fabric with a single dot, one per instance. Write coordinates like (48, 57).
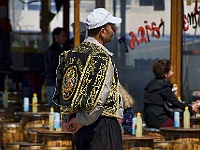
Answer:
(81, 78)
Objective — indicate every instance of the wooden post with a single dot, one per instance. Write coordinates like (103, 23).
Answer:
(66, 16)
(76, 22)
(45, 23)
(176, 42)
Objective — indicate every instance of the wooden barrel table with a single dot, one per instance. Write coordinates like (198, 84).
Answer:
(195, 121)
(180, 134)
(32, 120)
(31, 146)
(32, 134)
(13, 145)
(59, 140)
(10, 132)
(137, 143)
(155, 133)
(176, 145)
(163, 145)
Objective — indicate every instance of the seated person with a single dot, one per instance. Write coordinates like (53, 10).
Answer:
(128, 113)
(159, 90)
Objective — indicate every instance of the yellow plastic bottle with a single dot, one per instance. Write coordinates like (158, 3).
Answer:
(5, 99)
(138, 132)
(186, 118)
(43, 94)
(34, 103)
(51, 119)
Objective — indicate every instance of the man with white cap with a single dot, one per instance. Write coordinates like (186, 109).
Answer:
(95, 104)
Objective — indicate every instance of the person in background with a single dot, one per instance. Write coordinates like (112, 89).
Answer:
(51, 62)
(159, 90)
(97, 128)
(5, 43)
(70, 43)
(128, 111)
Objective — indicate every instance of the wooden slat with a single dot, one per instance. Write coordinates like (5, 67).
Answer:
(175, 43)
(76, 22)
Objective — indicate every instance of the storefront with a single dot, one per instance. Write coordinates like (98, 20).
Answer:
(150, 30)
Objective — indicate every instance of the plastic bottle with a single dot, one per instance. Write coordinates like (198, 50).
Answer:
(179, 98)
(133, 125)
(176, 119)
(138, 132)
(6, 83)
(43, 94)
(5, 99)
(56, 120)
(186, 118)
(51, 119)
(26, 104)
(34, 103)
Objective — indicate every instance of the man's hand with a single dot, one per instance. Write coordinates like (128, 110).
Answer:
(73, 126)
(195, 107)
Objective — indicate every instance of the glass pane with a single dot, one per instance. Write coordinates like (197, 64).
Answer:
(145, 31)
(191, 51)
(147, 36)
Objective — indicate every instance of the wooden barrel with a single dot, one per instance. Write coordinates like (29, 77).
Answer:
(59, 140)
(32, 134)
(195, 121)
(186, 145)
(13, 145)
(34, 120)
(11, 132)
(181, 134)
(176, 145)
(31, 146)
(163, 145)
(137, 143)
(155, 133)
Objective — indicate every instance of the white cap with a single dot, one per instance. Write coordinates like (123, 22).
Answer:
(99, 17)
(82, 27)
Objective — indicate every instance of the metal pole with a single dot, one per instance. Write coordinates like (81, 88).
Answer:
(123, 29)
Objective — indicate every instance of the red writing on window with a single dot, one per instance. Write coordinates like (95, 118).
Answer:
(145, 32)
(191, 18)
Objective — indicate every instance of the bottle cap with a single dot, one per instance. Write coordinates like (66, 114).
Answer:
(138, 114)
(26, 98)
(176, 112)
(186, 107)
(51, 109)
(34, 94)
